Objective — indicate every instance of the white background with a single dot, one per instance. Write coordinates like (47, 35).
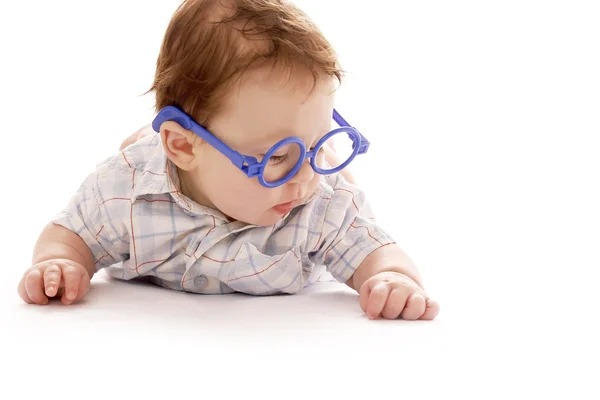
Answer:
(484, 121)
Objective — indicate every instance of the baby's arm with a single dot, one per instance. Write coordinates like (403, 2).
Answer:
(81, 239)
(360, 253)
(62, 266)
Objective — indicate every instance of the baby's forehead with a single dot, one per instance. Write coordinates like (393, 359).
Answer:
(292, 82)
(264, 108)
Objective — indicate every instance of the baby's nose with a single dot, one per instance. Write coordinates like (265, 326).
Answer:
(304, 174)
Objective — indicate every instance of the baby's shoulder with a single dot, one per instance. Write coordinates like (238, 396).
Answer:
(116, 175)
(326, 196)
(334, 200)
(135, 156)
(336, 190)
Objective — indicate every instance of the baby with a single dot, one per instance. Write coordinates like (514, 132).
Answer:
(239, 189)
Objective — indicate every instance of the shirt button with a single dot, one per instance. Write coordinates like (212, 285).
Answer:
(200, 281)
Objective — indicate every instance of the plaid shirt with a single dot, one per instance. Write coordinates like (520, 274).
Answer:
(136, 222)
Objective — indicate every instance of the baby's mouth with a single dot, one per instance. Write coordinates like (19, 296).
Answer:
(285, 208)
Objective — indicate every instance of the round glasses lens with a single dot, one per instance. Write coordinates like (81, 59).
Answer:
(281, 162)
(339, 149)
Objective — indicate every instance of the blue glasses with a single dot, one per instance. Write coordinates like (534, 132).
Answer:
(285, 158)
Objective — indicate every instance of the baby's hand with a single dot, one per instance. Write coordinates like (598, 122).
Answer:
(393, 294)
(54, 278)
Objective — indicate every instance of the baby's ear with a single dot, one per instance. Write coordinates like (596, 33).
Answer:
(179, 144)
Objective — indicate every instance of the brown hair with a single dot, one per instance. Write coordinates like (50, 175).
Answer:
(210, 43)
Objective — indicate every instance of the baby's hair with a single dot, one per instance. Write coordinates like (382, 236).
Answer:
(209, 44)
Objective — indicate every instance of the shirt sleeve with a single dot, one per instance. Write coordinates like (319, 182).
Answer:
(86, 216)
(349, 232)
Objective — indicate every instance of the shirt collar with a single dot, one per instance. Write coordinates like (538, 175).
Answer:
(160, 176)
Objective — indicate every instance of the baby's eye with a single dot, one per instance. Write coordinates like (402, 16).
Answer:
(274, 160)
(320, 152)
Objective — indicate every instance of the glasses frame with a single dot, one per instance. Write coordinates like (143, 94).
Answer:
(249, 165)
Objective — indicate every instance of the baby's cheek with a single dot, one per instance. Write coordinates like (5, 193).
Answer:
(259, 200)
(314, 183)
(242, 201)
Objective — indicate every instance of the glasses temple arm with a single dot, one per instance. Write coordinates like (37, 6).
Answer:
(339, 119)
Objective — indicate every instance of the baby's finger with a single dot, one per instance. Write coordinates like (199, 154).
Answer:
(394, 304)
(377, 299)
(22, 292)
(431, 311)
(415, 307)
(84, 286)
(363, 294)
(52, 276)
(34, 287)
(71, 278)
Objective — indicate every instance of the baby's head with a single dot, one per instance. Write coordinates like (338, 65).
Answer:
(252, 72)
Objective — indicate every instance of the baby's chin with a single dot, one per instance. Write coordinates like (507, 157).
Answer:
(266, 218)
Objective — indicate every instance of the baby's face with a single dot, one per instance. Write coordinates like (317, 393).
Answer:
(263, 109)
